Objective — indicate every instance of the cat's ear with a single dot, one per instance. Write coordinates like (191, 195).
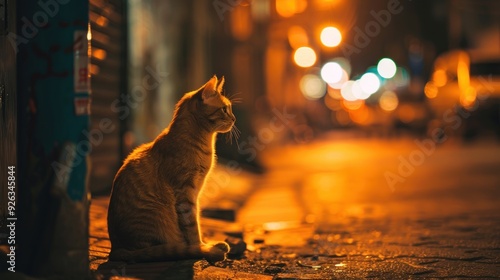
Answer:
(220, 85)
(210, 89)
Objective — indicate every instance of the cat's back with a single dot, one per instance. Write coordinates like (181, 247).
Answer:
(138, 165)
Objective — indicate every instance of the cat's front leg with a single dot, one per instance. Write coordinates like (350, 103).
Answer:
(189, 224)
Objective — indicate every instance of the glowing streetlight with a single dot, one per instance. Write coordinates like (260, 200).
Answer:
(330, 36)
(369, 83)
(297, 37)
(346, 91)
(386, 68)
(288, 8)
(312, 86)
(332, 72)
(388, 101)
(358, 92)
(304, 57)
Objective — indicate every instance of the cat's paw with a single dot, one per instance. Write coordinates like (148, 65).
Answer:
(215, 252)
(223, 246)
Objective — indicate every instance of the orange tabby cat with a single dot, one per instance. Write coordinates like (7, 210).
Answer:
(153, 211)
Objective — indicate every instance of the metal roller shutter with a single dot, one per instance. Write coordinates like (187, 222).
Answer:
(107, 69)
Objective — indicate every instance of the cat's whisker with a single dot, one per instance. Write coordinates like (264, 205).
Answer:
(237, 143)
(235, 133)
(234, 99)
(234, 94)
(229, 138)
(237, 100)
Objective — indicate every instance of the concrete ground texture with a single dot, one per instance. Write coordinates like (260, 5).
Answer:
(343, 209)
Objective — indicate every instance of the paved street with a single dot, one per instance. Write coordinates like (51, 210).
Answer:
(347, 209)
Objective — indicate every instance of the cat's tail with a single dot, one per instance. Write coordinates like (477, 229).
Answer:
(212, 253)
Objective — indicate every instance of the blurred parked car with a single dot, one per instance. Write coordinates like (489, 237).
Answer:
(464, 93)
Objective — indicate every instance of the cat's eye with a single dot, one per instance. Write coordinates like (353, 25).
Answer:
(224, 109)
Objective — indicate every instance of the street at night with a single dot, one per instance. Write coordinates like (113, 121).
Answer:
(326, 210)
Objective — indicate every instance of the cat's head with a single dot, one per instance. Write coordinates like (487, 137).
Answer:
(212, 108)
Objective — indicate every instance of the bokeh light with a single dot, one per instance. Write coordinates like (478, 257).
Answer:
(407, 113)
(346, 91)
(334, 92)
(326, 4)
(312, 86)
(388, 101)
(369, 83)
(361, 116)
(332, 103)
(439, 78)
(99, 54)
(288, 8)
(468, 98)
(297, 37)
(430, 90)
(353, 105)
(386, 68)
(304, 57)
(344, 63)
(330, 36)
(358, 92)
(331, 72)
(338, 85)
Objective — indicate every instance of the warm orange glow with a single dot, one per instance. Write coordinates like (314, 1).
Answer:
(98, 53)
(312, 86)
(388, 101)
(326, 4)
(94, 69)
(343, 117)
(352, 105)
(332, 104)
(463, 73)
(334, 92)
(297, 37)
(439, 78)
(406, 113)
(430, 90)
(361, 116)
(102, 21)
(241, 23)
(270, 226)
(330, 36)
(288, 8)
(468, 98)
(304, 57)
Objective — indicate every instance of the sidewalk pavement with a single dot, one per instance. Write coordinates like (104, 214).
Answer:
(324, 211)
